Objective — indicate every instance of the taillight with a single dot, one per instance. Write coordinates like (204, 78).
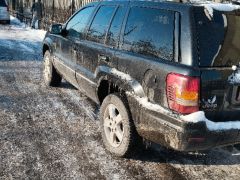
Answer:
(183, 93)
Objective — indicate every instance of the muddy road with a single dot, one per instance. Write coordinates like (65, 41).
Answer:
(53, 133)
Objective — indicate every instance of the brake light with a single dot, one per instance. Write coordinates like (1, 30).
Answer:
(183, 93)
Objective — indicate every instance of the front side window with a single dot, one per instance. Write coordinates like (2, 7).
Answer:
(150, 32)
(100, 24)
(78, 23)
(114, 31)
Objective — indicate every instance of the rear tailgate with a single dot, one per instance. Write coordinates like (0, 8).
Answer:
(219, 60)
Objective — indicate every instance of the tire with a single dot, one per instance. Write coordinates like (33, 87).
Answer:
(117, 128)
(50, 75)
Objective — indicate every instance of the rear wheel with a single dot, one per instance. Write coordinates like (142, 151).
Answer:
(51, 76)
(118, 131)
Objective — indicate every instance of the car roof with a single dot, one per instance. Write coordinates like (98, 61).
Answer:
(162, 4)
(175, 3)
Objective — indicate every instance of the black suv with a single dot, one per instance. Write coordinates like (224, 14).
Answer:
(167, 72)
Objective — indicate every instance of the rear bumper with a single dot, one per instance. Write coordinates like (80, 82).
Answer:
(170, 131)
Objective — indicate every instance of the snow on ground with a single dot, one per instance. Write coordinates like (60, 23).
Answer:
(23, 41)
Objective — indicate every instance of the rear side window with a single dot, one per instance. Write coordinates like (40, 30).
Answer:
(100, 24)
(150, 32)
(114, 30)
(78, 23)
(3, 3)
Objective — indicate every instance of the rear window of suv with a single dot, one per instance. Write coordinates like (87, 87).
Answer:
(3, 3)
(218, 38)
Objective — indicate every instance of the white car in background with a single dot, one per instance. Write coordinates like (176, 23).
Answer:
(4, 12)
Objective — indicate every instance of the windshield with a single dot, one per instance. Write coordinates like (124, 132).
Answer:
(218, 39)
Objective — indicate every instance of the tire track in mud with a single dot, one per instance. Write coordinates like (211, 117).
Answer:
(54, 133)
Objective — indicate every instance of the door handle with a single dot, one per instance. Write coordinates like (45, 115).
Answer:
(103, 58)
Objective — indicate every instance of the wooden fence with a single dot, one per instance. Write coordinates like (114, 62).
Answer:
(55, 11)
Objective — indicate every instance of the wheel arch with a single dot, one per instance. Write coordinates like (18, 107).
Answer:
(45, 48)
(111, 81)
(47, 45)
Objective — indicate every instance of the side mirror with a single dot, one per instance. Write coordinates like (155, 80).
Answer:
(56, 29)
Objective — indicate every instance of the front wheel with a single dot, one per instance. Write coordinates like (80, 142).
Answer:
(118, 131)
(51, 76)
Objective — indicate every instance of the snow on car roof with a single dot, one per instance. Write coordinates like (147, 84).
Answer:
(211, 6)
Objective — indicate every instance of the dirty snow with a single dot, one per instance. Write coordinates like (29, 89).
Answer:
(213, 126)
(16, 22)
(144, 102)
(23, 41)
(122, 75)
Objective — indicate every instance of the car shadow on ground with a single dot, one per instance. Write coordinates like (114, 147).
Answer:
(66, 85)
(229, 155)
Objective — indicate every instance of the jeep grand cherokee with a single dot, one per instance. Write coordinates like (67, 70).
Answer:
(167, 72)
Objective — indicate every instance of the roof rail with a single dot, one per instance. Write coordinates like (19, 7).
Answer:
(179, 1)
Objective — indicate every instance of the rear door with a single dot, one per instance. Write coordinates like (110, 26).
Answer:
(147, 51)
(219, 60)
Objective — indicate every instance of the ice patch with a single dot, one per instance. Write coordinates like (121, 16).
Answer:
(212, 126)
